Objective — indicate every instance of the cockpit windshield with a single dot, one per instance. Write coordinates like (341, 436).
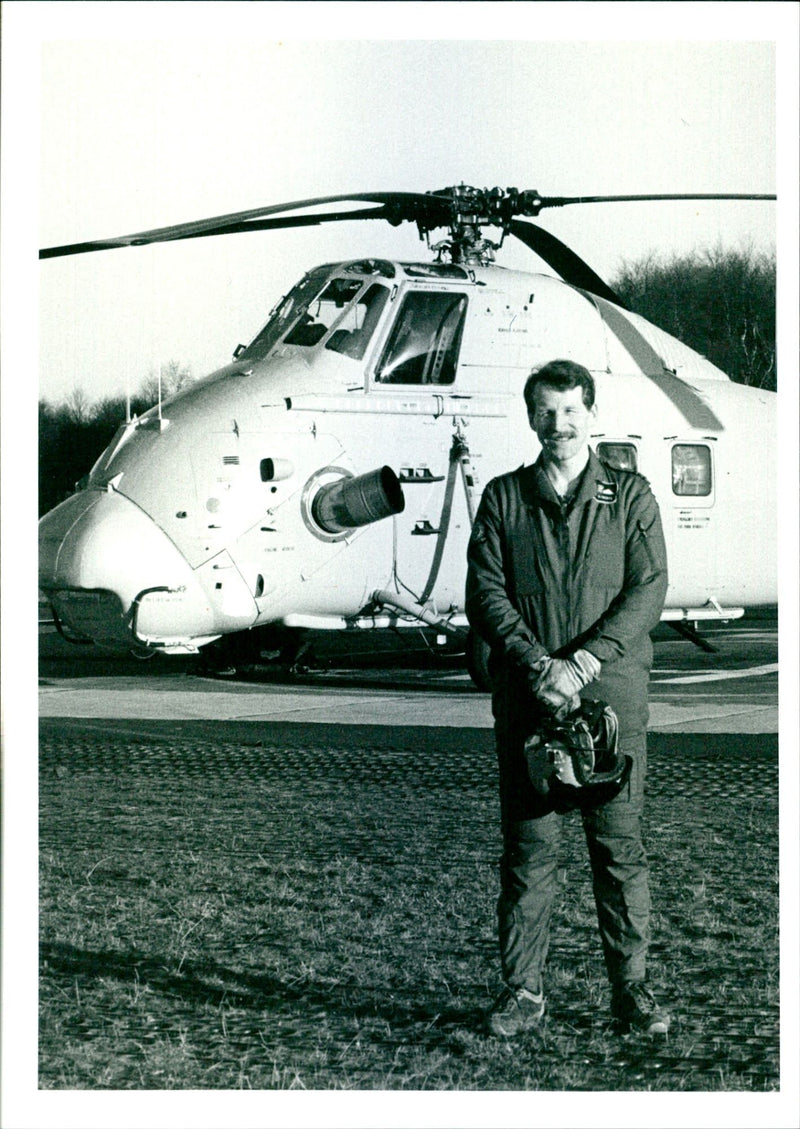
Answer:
(350, 307)
(287, 311)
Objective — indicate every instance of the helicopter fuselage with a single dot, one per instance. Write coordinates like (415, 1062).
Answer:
(328, 476)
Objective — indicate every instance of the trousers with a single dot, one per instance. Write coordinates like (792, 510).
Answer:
(529, 882)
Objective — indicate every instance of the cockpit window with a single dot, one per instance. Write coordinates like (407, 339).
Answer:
(288, 310)
(354, 330)
(434, 270)
(320, 315)
(425, 340)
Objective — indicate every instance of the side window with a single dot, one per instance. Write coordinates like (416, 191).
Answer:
(352, 334)
(424, 343)
(619, 455)
(691, 470)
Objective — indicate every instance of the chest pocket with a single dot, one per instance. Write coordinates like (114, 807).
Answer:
(525, 552)
(605, 560)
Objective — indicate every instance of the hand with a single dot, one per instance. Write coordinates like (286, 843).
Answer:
(563, 712)
(559, 684)
(563, 679)
(536, 673)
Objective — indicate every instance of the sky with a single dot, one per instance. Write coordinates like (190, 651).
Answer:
(143, 126)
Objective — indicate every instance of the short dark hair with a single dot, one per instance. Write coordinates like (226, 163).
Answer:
(561, 375)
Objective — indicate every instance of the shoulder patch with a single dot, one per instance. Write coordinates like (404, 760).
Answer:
(606, 493)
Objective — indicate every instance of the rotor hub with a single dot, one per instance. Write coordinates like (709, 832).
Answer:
(465, 210)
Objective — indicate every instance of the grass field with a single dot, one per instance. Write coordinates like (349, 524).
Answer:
(313, 908)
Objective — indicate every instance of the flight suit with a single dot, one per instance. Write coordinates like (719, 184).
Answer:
(547, 577)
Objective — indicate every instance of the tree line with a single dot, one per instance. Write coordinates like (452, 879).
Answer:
(720, 303)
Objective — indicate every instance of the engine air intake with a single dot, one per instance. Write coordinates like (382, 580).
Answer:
(349, 503)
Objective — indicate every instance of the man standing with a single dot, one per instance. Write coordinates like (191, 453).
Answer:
(567, 576)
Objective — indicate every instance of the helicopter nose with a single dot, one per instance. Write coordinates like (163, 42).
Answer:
(99, 556)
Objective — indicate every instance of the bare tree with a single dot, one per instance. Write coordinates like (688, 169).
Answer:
(77, 406)
(174, 378)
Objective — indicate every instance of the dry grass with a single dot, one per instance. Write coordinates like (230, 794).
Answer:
(315, 909)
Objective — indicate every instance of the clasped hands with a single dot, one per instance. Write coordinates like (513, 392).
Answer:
(556, 683)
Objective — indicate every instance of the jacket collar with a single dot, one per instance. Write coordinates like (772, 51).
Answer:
(536, 486)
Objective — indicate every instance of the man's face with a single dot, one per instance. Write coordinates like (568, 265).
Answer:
(562, 421)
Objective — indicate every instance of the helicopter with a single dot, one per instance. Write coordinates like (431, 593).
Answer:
(326, 479)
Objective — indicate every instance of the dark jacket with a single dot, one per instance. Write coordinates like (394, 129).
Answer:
(548, 579)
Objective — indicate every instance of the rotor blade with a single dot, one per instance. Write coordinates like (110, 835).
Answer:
(396, 204)
(292, 221)
(561, 201)
(558, 256)
(228, 229)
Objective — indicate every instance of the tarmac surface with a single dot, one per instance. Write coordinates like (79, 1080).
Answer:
(733, 689)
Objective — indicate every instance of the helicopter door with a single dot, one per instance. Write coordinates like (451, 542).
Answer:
(421, 354)
(693, 497)
(425, 340)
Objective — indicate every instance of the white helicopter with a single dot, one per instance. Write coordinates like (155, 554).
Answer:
(328, 477)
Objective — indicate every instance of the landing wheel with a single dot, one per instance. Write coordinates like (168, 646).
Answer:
(477, 652)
